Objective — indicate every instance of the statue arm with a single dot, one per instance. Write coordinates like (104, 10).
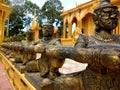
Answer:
(36, 42)
(58, 42)
(82, 55)
(82, 41)
(110, 58)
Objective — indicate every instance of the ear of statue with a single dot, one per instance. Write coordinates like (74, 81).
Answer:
(95, 18)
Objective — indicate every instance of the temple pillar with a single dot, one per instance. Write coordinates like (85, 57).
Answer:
(79, 24)
(1, 26)
(64, 30)
(70, 30)
(4, 13)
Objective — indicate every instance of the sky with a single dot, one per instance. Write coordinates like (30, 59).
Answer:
(67, 4)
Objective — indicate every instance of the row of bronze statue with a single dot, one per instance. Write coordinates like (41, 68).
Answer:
(101, 51)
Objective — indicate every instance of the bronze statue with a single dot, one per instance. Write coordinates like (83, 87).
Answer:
(101, 51)
(47, 66)
(26, 54)
(30, 36)
(19, 37)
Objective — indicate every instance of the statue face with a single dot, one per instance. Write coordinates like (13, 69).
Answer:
(30, 35)
(47, 31)
(108, 18)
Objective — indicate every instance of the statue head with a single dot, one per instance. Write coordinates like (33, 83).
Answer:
(30, 35)
(105, 16)
(14, 38)
(19, 37)
(48, 29)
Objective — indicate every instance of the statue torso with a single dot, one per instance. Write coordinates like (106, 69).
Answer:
(96, 76)
(44, 60)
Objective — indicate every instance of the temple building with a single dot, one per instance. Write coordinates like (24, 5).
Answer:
(4, 13)
(80, 18)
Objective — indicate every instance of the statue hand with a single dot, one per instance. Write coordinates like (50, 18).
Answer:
(110, 58)
(55, 52)
(39, 48)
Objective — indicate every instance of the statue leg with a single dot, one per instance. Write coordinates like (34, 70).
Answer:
(28, 57)
(55, 64)
(32, 66)
(24, 58)
(43, 67)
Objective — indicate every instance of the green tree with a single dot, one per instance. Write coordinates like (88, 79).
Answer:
(20, 16)
(51, 10)
(16, 19)
(7, 2)
(29, 9)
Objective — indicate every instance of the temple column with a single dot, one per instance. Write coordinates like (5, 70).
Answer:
(116, 30)
(64, 30)
(79, 24)
(4, 12)
(0, 26)
(118, 27)
(2, 22)
(70, 30)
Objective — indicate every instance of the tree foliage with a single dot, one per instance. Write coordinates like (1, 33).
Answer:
(16, 19)
(29, 9)
(51, 10)
(21, 17)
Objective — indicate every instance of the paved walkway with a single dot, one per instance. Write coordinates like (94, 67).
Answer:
(4, 82)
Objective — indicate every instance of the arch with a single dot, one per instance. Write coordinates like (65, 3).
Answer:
(66, 29)
(88, 24)
(74, 25)
(74, 16)
(85, 12)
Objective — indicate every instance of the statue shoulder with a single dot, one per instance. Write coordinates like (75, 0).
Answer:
(117, 38)
(37, 42)
(82, 37)
(82, 40)
(55, 41)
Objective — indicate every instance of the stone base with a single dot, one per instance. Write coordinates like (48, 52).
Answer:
(20, 67)
(38, 82)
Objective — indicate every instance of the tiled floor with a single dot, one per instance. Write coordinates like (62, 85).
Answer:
(4, 82)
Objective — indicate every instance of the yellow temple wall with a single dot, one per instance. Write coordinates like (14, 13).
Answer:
(82, 16)
(4, 12)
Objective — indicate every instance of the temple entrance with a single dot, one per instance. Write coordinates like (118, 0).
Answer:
(88, 25)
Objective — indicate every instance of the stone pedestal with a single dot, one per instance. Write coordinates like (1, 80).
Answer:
(20, 67)
(38, 82)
